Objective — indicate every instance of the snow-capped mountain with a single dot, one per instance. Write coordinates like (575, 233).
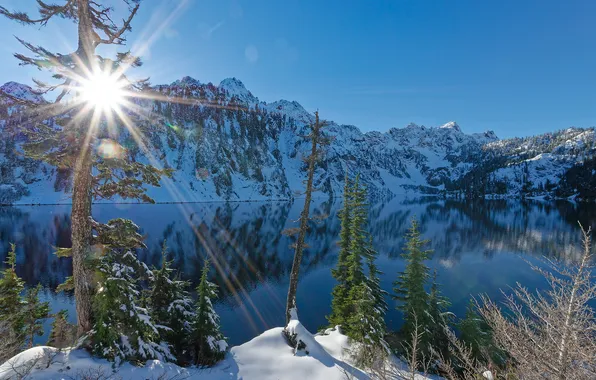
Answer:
(542, 165)
(226, 144)
(19, 91)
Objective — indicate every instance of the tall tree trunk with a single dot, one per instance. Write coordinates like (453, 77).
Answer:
(81, 191)
(291, 302)
(81, 235)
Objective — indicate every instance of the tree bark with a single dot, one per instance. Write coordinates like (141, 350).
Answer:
(81, 191)
(81, 236)
(304, 215)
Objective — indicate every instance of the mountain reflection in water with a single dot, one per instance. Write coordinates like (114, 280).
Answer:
(477, 248)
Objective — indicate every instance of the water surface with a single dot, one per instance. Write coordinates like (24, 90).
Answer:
(478, 248)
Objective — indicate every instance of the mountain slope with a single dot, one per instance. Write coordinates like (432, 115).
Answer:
(226, 144)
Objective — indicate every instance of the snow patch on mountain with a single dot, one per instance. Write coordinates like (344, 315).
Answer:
(21, 92)
(235, 88)
(451, 125)
(226, 144)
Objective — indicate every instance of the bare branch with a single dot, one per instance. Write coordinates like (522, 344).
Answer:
(116, 37)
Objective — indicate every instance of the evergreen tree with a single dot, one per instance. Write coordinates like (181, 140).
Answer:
(209, 344)
(11, 316)
(70, 140)
(409, 287)
(123, 329)
(471, 331)
(358, 301)
(350, 269)
(367, 323)
(340, 302)
(34, 312)
(358, 236)
(438, 318)
(63, 333)
(477, 335)
(171, 307)
(374, 281)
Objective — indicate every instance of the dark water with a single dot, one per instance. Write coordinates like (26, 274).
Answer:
(478, 248)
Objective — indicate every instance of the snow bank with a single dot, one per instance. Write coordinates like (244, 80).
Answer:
(49, 363)
(267, 356)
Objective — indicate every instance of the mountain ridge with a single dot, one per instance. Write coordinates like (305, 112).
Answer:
(226, 144)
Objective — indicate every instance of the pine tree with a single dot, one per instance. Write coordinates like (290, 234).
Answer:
(171, 307)
(340, 303)
(374, 282)
(358, 236)
(209, 344)
(350, 268)
(69, 141)
(123, 329)
(439, 319)
(367, 323)
(34, 312)
(358, 301)
(63, 333)
(409, 287)
(12, 333)
(471, 331)
(316, 140)
(477, 336)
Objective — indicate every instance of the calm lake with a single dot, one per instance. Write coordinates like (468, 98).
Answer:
(478, 248)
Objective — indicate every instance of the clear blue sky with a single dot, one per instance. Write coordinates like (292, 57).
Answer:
(516, 67)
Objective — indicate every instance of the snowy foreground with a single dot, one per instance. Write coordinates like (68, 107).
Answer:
(265, 357)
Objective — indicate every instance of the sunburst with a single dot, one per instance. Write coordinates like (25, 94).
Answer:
(103, 90)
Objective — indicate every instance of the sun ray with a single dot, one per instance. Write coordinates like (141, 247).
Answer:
(233, 284)
(103, 94)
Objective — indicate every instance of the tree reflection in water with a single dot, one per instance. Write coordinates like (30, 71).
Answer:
(476, 247)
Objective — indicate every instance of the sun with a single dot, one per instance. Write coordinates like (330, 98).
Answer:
(103, 91)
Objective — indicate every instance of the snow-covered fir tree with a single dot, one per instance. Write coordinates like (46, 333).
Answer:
(123, 330)
(366, 323)
(208, 343)
(171, 308)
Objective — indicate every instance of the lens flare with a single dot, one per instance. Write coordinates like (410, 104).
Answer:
(110, 149)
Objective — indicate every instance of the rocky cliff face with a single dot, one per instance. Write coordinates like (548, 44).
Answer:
(225, 144)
